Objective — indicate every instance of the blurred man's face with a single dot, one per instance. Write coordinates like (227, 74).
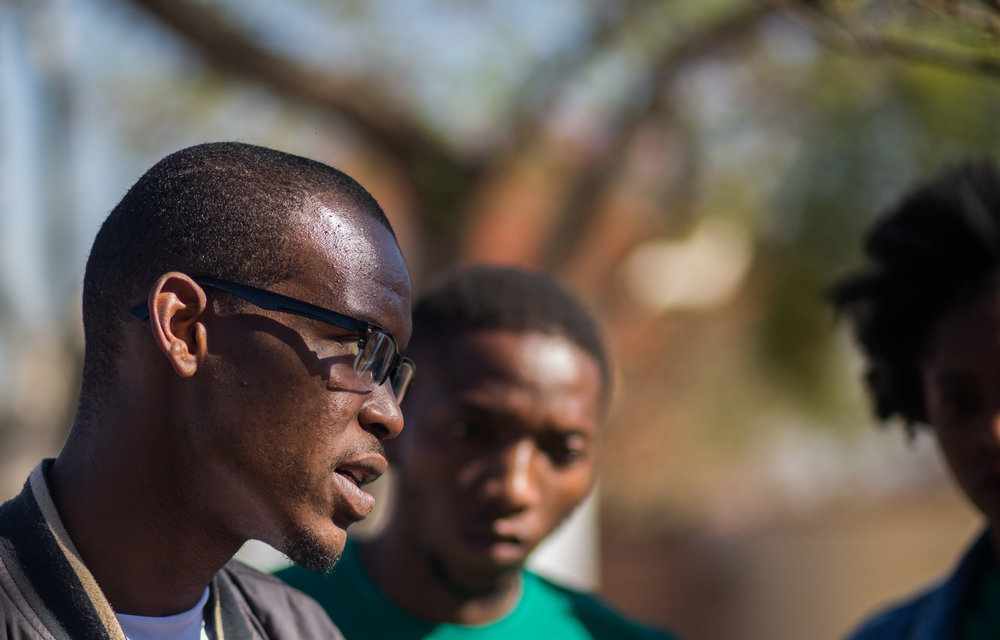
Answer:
(500, 447)
(961, 381)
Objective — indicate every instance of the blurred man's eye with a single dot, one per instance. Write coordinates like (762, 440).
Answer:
(468, 430)
(566, 451)
(960, 403)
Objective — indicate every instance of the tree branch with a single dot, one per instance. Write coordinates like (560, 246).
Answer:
(583, 203)
(548, 81)
(439, 178)
(965, 14)
(373, 113)
(845, 33)
(912, 51)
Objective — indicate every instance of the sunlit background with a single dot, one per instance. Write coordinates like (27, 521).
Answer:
(699, 172)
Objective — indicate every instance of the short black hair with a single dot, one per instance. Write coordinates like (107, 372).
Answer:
(490, 297)
(938, 248)
(223, 209)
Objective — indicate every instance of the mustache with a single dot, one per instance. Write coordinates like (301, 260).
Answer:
(357, 450)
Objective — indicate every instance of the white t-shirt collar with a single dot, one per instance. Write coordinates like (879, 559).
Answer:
(187, 625)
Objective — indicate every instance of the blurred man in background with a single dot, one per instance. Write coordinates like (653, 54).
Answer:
(243, 312)
(501, 445)
(927, 315)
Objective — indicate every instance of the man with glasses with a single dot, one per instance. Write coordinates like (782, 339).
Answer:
(501, 445)
(244, 311)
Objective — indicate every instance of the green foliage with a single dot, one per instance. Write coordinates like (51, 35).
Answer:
(862, 151)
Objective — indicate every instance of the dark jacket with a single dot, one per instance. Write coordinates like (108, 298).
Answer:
(47, 592)
(934, 613)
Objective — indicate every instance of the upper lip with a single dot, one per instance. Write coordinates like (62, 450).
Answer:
(364, 469)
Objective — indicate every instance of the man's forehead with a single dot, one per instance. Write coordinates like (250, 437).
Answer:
(485, 361)
(347, 233)
(359, 265)
(521, 404)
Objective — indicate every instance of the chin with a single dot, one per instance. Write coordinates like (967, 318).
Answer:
(472, 581)
(306, 548)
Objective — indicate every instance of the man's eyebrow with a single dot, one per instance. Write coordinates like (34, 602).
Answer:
(337, 333)
(498, 414)
(574, 430)
(952, 376)
(571, 431)
(473, 407)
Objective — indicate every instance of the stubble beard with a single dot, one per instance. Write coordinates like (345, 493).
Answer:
(304, 548)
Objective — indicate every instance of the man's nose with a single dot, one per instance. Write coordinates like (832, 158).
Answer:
(513, 483)
(380, 413)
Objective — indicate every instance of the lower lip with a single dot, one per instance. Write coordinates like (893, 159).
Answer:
(361, 502)
(506, 553)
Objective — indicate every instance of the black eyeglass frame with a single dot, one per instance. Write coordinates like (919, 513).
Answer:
(277, 302)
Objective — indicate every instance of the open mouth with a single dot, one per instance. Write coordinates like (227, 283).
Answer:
(363, 470)
(359, 479)
(351, 477)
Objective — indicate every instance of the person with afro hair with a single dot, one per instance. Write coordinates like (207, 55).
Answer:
(926, 314)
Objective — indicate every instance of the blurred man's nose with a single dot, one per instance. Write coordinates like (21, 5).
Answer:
(513, 484)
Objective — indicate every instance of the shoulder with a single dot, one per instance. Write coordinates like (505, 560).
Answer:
(263, 587)
(899, 620)
(932, 612)
(21, 513)
(285, 612)
(600, 619)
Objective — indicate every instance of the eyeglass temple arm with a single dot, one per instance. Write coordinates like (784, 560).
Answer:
(272, 302)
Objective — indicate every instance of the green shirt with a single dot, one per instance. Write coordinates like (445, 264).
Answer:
(545, 610)
(980, 617)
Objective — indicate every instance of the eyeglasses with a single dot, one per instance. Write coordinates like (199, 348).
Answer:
(377, 359)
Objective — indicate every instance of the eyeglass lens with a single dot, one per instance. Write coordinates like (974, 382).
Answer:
(401, 381)
(374, 360)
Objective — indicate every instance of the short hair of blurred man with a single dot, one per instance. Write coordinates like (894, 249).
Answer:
(502, 444)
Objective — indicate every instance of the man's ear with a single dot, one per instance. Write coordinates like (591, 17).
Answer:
(176, 303)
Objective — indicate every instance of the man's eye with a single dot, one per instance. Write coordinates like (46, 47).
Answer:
(337, 349)
(336, 352)
(465, 430)
(351, 343)
(961, 404)
(565, 452)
